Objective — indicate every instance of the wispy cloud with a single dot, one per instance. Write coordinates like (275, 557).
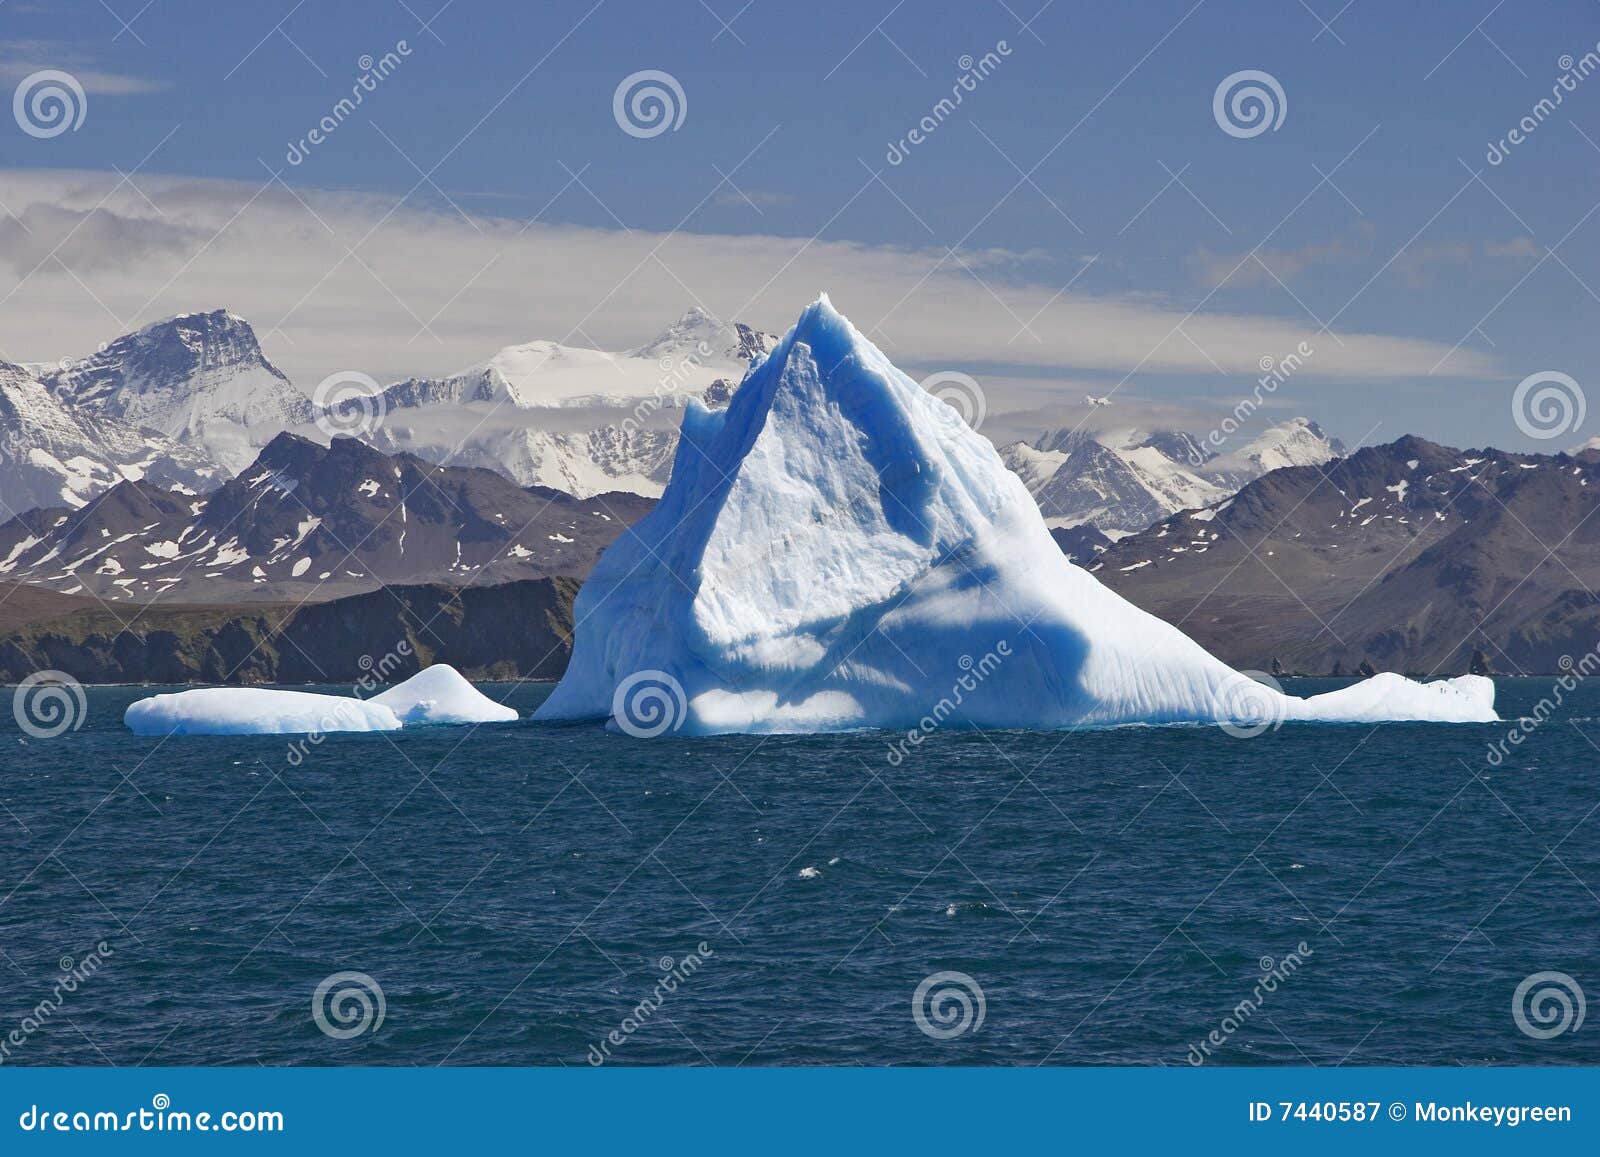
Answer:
(20, 59)
(1420, 266)
(1262, 266)
(86, 242)
(348, 281)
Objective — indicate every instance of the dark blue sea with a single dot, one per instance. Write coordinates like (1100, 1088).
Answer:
(523, 894)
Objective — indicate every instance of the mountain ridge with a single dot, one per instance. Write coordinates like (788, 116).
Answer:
(1122, 482)
(307, 520)
(1409, 556)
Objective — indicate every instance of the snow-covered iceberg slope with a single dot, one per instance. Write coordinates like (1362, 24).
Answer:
(837, 549)
(439, 694)
(436, 694)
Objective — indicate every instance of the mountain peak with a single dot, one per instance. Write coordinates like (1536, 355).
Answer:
(697, 324)
(701, 335)
(1294, 441)
(217, 319)
(196, 377)
(1125, 479)
(194, 341)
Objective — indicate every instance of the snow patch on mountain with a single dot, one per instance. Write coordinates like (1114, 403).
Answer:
(582, 420)
(1124, 481)
(683, 360)
(53, 455)
(199, 378)
(1294, 442)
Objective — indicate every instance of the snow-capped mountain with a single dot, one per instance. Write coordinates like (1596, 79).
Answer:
(1123, 482)
(843, 551)
(200, 378)
(683, 360)
(582, 461)
(191, 401)
(576, 419)
(1076, 478)
(705, 337)
(308, 521)
(1294, 442)
(1409, 556)
(55, 455)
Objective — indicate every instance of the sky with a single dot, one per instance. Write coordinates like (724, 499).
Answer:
(1093, 217)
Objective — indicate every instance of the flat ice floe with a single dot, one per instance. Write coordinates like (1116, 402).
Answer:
(436, 694)
(254, 711)
(838, 549)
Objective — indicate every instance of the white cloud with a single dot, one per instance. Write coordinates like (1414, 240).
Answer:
(1264, 266)
(20, 59)
(350, 281)
(86, 242)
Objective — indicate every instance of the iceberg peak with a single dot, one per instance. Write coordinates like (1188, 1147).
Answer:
(837, 548)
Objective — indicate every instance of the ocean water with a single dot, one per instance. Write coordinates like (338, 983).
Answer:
(532, 895)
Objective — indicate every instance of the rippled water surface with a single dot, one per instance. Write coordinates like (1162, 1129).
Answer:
(515, 891)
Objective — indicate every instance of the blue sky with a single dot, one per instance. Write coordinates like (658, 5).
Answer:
(1085, 187)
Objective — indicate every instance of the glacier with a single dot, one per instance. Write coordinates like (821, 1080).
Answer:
(837, 549)
(436, 694)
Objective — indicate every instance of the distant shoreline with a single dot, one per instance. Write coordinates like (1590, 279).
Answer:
(1498, 675)
(203, 683)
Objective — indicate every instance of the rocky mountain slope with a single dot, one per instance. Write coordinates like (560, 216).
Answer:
(200, 379)
(312, 522)
(1081, 544)
(55, 455)
(1410, 557)
(1122, 482)
(192, 400)
(513, 630)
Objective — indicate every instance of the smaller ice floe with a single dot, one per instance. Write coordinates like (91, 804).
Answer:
(255, 711)
(809, 873)
(436, 694)
(439, 694)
